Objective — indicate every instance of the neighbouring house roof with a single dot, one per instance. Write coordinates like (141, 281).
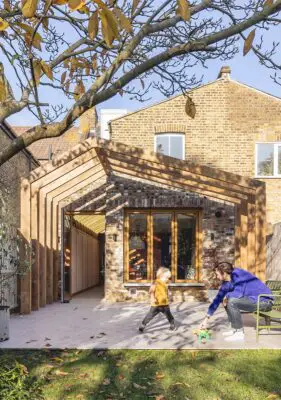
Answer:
(223, 75)
(42, 149)
(10, 132)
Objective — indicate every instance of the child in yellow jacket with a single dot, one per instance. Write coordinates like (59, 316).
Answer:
(159, 299)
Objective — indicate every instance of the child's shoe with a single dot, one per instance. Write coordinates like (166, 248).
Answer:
(141, 328)
(172, 326)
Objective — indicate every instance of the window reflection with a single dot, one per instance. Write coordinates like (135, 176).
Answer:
(137, 247)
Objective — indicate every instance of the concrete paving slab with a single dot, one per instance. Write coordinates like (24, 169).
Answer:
(89, 323)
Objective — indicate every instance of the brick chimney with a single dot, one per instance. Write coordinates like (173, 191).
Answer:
(224, 72)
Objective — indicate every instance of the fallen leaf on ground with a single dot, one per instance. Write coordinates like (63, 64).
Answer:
(61, 373)
(106, 381)
(121, 377)
(92, 337)
(46, 338)
(181, 384)
(48, 345)
(159, 375)
(30, 341)
(160, 397)
(85, 375)
(57, 359)
(85, 319)
(138, 386)
(80, 397)
(273, 396)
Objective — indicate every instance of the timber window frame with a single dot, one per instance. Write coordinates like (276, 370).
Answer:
(197, 213)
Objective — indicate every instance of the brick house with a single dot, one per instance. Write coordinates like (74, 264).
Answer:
(236, 129)
(166, 190)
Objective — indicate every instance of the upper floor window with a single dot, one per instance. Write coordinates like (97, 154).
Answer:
(268, 159)
(170, 144)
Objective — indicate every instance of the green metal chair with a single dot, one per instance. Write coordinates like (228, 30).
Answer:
(269, 316)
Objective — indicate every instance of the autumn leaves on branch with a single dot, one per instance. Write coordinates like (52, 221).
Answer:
(91, 50)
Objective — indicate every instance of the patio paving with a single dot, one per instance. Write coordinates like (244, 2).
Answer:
(89, 323)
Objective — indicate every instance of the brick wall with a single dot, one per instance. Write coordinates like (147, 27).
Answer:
(10, 190)
(10, 177)
(218, 233)
(230, 119)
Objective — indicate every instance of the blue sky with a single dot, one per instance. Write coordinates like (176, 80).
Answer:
(244, 69)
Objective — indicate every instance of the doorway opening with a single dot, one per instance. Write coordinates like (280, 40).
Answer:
(83, 255)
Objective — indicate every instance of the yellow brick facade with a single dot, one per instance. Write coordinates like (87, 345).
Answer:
(230, 119)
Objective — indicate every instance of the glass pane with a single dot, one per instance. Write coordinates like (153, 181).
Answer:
(176, 147)
(279, 160)
(162, 145)
(186, 263)
(265, 159)
(137, 247)
(162, 241)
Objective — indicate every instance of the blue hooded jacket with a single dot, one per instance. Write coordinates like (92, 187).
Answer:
(242, 284)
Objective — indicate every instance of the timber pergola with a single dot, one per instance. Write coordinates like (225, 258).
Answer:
(86, 167)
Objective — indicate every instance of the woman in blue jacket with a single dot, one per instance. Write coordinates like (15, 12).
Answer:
(239, 291)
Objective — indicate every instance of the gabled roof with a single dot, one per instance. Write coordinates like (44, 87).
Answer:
(214, 82)
(10, 132)
(41, 148)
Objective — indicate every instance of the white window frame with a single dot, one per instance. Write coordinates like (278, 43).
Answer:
(182, 135)
(276, 146)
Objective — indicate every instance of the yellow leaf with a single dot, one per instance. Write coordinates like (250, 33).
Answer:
(109, 26)
(94, 62)
(7, 5)
(84, 10)
(3, 24)
(63, 76)
(37, 70)
(124, 21)
(93, 26)
(159, 375)
(60, 2)
(81, 88)
(36, 41)
(45, 23)
(76, 4)
(268, 3)
(135, 5)
(248, 42)
(25, 27)
(190, 108)
(29, 8)
(183, 9)
(47, 70)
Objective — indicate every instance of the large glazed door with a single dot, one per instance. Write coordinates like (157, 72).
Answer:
(186, 249)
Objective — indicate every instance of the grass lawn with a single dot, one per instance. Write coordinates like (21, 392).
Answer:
(141, 374)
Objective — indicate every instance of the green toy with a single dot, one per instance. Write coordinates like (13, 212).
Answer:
(203, 335)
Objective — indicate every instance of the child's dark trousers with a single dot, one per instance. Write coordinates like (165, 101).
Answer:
(154, 310)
